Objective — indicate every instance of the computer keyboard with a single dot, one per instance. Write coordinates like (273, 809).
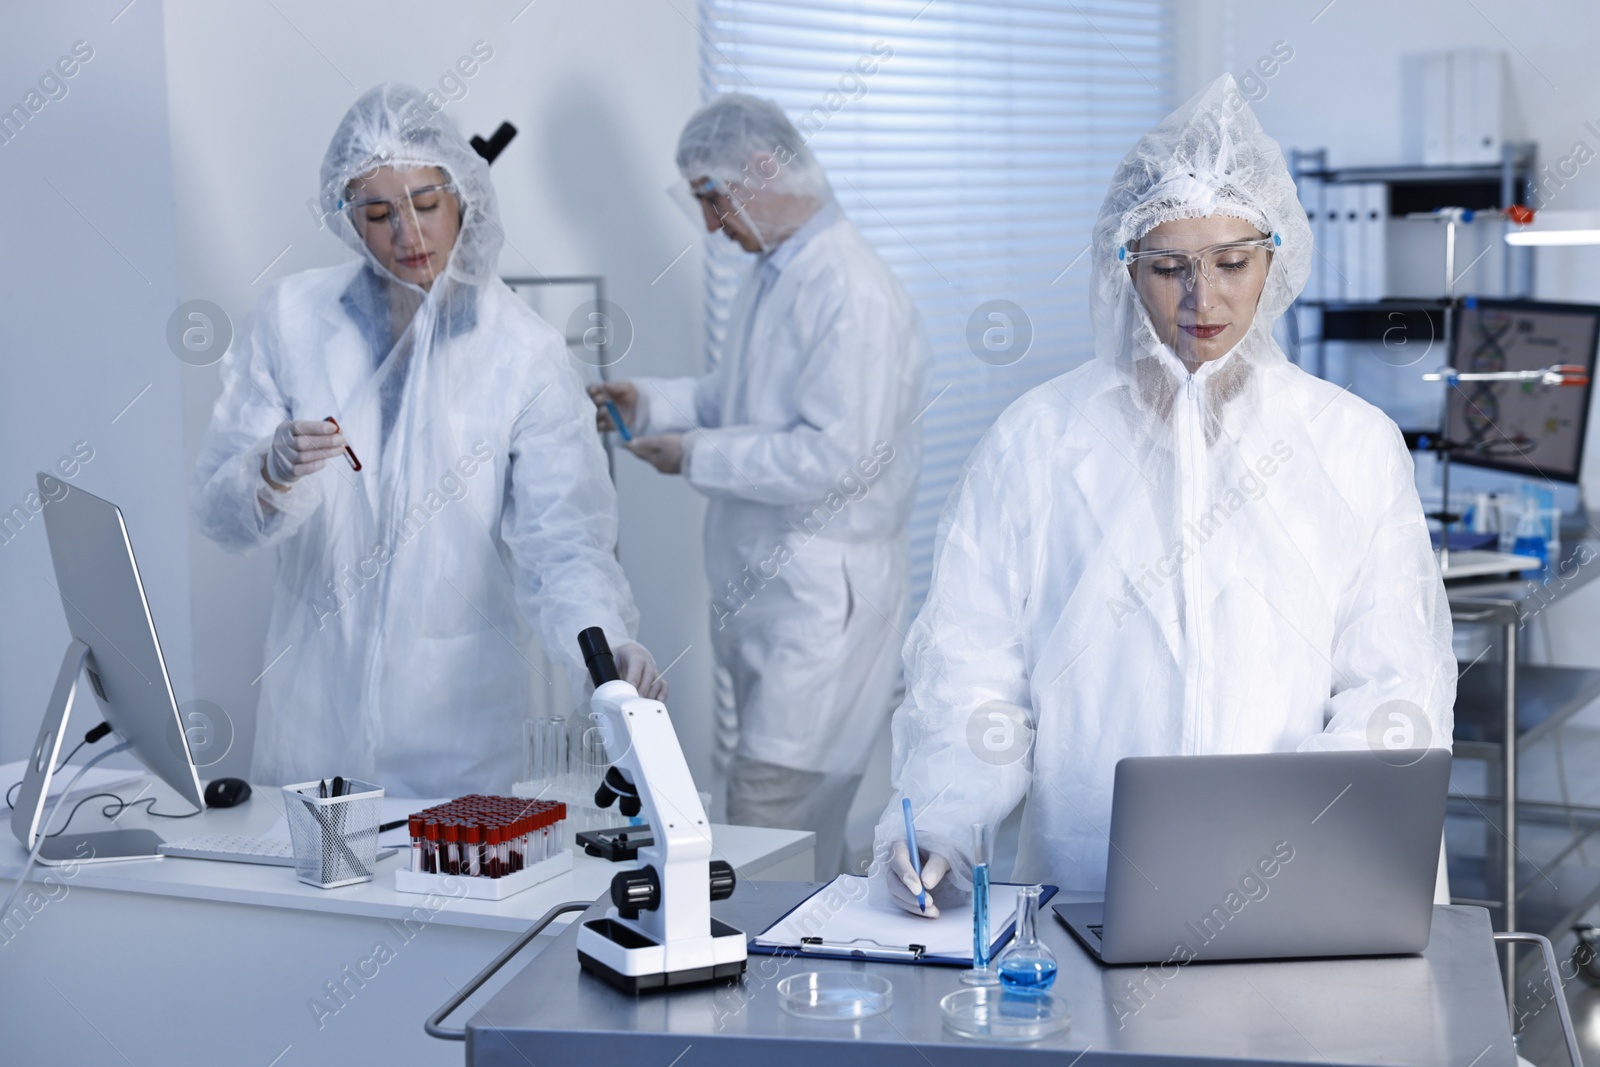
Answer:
(236, 848)
(240, 848)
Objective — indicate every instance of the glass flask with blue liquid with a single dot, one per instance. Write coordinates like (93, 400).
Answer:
(1532, 538)
(1027, 966)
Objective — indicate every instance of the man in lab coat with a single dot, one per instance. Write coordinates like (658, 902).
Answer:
(804, 438)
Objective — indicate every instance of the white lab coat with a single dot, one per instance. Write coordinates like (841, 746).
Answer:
(1138, 561)
(805, 443)
(399, 648)
(1308, 601)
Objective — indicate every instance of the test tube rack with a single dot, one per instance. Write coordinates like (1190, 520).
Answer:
(491, 847)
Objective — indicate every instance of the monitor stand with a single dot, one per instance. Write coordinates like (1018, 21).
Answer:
(28, 817)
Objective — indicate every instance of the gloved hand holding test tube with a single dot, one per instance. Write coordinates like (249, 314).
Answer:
(611, 399)
(349, 453)
(617, 420)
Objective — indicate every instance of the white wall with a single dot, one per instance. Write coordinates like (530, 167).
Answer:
(89, 284)
(598, 91)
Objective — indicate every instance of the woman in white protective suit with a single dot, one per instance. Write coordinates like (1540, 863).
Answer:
(805, 439)
(399, 644)
(1186, 546)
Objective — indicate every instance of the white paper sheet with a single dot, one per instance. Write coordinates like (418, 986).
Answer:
(840, 914)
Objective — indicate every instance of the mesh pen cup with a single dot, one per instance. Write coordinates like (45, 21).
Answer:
(335, 839)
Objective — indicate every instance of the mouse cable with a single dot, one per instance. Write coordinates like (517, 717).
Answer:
(112, 810)
(89, 738)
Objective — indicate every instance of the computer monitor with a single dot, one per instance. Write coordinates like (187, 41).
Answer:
(1521, 428)
(114, 646)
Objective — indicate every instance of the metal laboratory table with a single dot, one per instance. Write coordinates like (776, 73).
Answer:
(1502, 706)
(1445, 1006)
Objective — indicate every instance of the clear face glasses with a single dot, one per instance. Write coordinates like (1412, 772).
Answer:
(418, 205)
(1235, 265)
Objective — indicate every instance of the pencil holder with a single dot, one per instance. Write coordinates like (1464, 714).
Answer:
(335, 839)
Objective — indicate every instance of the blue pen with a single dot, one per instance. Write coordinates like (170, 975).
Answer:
(616, 420)
(911, 845)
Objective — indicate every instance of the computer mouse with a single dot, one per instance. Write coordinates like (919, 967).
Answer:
(226, 792)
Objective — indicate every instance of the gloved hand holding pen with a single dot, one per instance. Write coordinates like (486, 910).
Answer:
(903, 882)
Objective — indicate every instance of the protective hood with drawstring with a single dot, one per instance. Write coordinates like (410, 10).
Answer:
(1139, 560)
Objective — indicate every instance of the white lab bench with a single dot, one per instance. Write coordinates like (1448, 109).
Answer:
(194, 961)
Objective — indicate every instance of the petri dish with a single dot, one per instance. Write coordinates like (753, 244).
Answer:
(835, 995)
(988, 1013)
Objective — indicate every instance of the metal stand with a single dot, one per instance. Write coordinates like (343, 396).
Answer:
(27, 819)
(1510, 941)
(434, 1024)
(1508, 789)
(597, 282)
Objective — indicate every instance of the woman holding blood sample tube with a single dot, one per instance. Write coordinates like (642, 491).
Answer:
(411, 439)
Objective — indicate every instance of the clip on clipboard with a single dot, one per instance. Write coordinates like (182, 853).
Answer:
(838, 922)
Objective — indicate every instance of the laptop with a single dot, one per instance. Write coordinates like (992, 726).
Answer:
(1269, 856)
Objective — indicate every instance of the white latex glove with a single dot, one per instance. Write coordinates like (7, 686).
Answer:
(903, 883)
(664, 451)
(638, 669)
(300, 448)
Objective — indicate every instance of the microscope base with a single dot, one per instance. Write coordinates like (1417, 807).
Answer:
(622, 956)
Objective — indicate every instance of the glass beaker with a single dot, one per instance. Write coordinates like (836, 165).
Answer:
(1028, 965)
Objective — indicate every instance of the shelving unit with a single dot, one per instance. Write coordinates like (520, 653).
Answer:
(1501, 705)
(1486, 187)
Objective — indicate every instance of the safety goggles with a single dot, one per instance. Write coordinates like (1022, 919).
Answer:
(689, 198)
(1226, 266)
(417, 205)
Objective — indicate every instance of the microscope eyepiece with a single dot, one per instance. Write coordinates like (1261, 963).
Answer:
(597, 656)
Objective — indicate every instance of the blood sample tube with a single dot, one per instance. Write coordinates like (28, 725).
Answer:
(472, 837)
(349, 453)
(430, 845)
(452, 854)
(415, 825)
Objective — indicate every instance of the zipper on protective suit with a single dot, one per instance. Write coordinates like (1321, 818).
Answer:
(1192, 491)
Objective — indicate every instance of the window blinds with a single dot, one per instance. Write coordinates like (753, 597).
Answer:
(971, 142)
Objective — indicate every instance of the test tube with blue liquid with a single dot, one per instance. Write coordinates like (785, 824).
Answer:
(616, 420)
(982, 971)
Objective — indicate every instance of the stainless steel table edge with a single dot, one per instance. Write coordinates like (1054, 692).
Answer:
(1461, 987)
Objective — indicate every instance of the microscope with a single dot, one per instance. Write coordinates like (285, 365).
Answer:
(659, 933)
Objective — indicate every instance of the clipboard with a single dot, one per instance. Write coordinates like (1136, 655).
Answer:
(818, 945)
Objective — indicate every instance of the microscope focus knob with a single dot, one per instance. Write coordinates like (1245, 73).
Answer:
(722, 880)
(633, 891)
